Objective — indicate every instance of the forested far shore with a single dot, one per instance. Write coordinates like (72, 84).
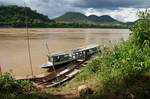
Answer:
(16, 16)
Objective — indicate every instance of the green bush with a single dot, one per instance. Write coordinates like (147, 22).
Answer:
(9, 84)
(141, 30)
(124, 60)
(124, 67)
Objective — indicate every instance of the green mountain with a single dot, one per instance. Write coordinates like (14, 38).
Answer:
(79, 17)
(72, 17)
(104, 18)
(76, 19)
(15, 16)
(93, 17)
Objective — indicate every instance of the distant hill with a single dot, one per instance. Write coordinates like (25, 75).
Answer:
(104, 18)
(79, 17)
(14, 16)
(93, 18)
(72, 17)
(80, 20)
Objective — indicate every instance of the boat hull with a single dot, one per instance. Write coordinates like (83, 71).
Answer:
(56, 64)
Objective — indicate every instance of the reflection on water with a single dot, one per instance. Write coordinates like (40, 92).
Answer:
(13, 45)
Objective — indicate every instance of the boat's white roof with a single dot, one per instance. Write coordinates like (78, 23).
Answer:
(60, 53)
(87, 47)
(78, 49)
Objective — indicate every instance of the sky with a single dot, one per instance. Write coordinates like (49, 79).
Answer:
(122, 10)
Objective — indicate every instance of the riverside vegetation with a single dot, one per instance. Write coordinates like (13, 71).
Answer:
(123, 71)
(15, 16)
(20, 89)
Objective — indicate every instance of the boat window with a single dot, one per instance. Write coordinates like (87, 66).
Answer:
(64, 57)
(49, 58)
(56, 59)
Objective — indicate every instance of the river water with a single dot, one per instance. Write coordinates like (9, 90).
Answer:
(14, 52)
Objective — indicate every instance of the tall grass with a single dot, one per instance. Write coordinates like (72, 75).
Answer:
(125, 69)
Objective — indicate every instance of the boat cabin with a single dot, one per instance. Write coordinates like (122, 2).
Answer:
(61, 58)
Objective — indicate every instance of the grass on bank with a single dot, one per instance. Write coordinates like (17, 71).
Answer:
(124, 70)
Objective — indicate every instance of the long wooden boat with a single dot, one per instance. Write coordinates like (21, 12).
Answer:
(65, 57)
(53, 75)
(63, 79)
(62, 74)
(66, 76)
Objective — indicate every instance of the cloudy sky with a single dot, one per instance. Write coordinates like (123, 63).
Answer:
(123, 10)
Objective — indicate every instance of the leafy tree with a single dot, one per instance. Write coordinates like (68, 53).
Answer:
(14, 16)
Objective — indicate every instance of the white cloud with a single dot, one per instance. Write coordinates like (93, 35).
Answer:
(54, 8)
(122, 14)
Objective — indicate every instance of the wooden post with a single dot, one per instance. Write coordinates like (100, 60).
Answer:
(0, 70)
(52, 65)
(28, 40)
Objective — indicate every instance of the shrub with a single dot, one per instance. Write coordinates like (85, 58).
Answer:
(123, 66)
(8, 84)
(141, 30)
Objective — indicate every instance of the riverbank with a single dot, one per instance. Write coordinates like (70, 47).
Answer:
(120, 72)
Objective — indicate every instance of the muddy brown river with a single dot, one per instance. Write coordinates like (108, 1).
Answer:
(14, 52)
